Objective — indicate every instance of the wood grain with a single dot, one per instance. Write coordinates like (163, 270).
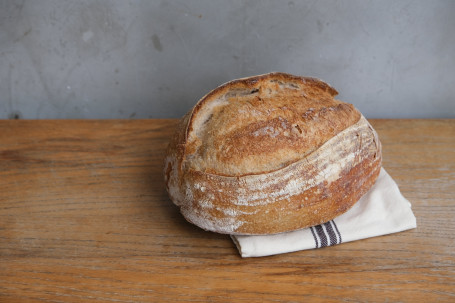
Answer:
(84, 216)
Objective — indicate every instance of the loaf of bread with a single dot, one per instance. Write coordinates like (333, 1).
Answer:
(270, 154)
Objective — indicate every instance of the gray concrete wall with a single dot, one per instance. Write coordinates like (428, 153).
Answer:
(154, 59)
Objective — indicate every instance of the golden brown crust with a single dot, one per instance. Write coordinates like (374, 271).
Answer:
(269, 154)
(260, 124)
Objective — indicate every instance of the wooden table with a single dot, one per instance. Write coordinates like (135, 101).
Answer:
(84, 217)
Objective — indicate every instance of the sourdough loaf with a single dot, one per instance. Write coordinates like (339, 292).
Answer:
(270, 154)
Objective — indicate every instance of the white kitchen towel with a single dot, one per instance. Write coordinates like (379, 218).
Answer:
(382, 210)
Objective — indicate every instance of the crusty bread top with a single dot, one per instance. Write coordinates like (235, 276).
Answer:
(264, 123)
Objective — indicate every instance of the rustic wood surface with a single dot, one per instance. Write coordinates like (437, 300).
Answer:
(84, 217)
